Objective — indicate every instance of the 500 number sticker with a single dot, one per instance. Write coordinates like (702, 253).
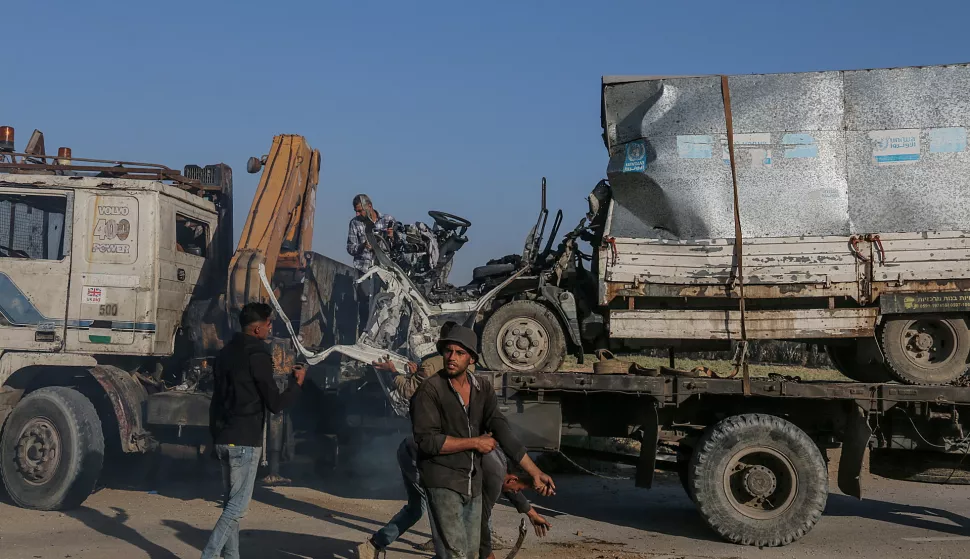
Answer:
(110, 309)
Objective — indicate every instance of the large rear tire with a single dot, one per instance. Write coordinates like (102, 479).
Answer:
(525, 337)
(759, 480)
(930, 350)
(51, 450)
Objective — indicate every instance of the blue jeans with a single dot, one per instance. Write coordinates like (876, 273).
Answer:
(239, 465)
(408, 516)
(458, 519)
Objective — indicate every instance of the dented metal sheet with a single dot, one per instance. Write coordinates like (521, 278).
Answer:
(822, 153)
(726, 325)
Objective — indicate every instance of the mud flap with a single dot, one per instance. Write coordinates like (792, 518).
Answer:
(648, 448)
(128, 398)
(854, 443)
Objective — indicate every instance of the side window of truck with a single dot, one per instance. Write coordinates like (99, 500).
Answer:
(32, 227)
(191, 236)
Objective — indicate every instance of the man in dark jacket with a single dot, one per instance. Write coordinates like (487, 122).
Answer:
(454, 416)
(244, 389)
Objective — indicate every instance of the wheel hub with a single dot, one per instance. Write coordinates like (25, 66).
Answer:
(923, 341)
(524, 343)
(38, 451)
(928, 343)
(759, 481)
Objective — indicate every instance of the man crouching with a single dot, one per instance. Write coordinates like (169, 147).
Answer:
(454, 416)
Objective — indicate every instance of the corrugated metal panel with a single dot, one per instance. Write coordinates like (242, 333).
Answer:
(823, 153)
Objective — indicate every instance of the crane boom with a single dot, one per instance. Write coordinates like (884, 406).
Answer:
(279, 227)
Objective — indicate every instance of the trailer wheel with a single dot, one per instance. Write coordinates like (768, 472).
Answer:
(523, 336)
(847, 360)
(926, 349)
(759, 480)
(51, 450)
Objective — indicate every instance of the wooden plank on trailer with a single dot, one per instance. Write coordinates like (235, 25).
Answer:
(726, 325)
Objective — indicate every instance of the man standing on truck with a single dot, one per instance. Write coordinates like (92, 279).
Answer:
(244, 390)
(357, 245)
(454, 415)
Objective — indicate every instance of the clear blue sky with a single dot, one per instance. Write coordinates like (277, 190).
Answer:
(457, 106)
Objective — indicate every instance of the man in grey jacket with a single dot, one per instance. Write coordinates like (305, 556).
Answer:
(454, 417)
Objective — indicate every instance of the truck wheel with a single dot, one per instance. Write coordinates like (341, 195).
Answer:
(523, 336)
(51, 450)
(926, 349)
(846, 359)
(759, 480)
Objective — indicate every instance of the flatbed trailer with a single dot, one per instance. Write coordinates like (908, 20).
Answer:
(750, 455)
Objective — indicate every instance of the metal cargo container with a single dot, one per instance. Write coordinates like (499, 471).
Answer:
(822, 153)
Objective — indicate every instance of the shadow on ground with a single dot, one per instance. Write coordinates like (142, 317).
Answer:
(271, 543)
(116, 527)
(912, 516)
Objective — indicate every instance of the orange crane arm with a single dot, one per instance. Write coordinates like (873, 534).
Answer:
(279, 228)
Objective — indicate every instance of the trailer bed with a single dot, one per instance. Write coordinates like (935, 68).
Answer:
(672, 390)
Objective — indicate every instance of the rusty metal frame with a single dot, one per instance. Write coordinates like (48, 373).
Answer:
(127, 169)
(670, 390)
(127, 397)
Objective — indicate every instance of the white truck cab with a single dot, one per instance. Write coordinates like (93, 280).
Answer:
(99, 261)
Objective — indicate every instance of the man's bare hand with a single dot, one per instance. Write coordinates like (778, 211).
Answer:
(299, 371)
(385, 364)
(540, 524)
(484, 444)
(544, 485)
(412, 367)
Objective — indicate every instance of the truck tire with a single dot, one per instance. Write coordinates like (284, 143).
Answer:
(929, 350)
(759, 480)
(525, 337)
(845, 358)
(51, 450)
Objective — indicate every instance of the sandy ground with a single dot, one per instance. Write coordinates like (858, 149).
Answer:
(593, 518)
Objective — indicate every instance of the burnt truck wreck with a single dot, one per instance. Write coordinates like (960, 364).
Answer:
(736, 208)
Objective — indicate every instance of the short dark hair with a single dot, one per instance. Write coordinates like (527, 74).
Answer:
(254, 312)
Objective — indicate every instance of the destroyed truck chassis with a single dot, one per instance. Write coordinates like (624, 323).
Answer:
(754, 465)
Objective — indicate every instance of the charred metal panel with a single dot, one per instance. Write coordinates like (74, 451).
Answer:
(330, 313)
(185, 409)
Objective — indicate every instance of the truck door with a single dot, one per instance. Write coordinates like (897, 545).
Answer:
(35, 267)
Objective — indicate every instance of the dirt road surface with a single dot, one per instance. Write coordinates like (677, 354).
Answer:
(593, 518)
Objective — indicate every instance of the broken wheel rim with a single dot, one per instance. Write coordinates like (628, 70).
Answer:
(523, 344)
